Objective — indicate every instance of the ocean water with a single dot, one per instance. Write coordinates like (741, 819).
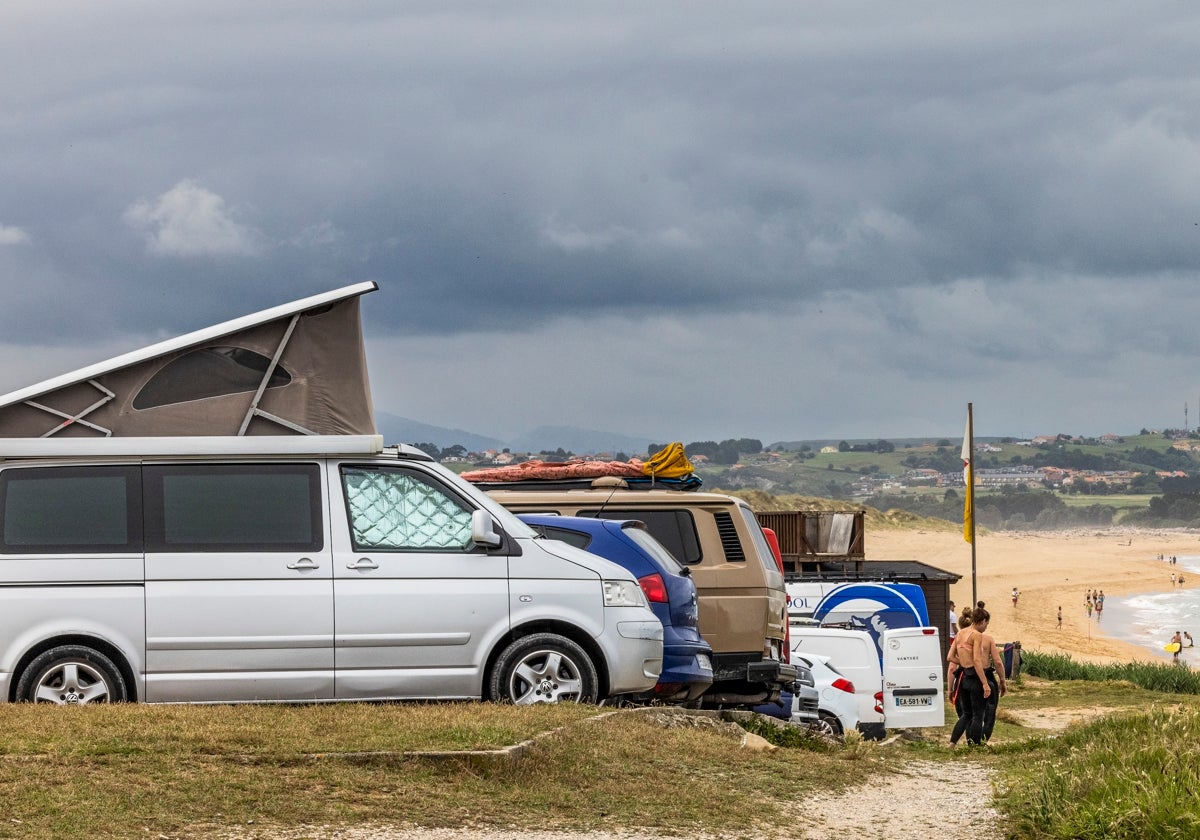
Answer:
(1151, 619)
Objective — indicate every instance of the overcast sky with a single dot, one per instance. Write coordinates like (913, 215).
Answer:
(688, 221)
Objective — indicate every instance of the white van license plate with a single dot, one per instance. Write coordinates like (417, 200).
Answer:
(914, 701)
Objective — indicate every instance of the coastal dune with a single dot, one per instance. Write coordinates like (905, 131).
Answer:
(1050, 569)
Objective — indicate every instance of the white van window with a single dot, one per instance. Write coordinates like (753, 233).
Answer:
(233, 507)
(53, 510)
(395, 509)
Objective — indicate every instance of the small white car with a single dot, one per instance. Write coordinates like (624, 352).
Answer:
(837, 706)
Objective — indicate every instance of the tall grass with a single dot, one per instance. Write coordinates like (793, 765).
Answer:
(1170, 678)
(1123, 776)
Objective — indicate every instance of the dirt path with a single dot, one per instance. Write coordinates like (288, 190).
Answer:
(916, 803)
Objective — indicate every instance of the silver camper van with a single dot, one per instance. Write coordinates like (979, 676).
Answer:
(293, 568)
(213, 518)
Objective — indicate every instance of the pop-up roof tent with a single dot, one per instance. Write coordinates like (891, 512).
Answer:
(299, 368)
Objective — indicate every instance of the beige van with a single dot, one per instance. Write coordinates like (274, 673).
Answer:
(743, 603)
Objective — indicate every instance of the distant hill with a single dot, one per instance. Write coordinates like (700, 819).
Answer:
(580, 441)
(396, 429)
(900, 443)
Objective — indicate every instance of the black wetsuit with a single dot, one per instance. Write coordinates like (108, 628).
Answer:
(974, 705)
(990, 704)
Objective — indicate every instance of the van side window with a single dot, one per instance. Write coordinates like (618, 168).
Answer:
(233, 507)
(53, 510)
(673, 528)
(761, 547)
(395, 509)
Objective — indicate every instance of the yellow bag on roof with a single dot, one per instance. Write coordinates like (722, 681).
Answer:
(669, 462)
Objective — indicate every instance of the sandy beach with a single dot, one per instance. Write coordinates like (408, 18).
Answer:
(1050, 569)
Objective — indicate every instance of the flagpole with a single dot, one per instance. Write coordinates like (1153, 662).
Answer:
(971, 491)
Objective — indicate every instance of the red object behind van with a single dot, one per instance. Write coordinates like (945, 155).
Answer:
(773, 541)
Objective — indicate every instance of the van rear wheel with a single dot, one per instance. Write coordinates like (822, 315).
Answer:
(544, 668)
(71, 675)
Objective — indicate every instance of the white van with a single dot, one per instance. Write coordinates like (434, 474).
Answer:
(293, 568)
(903, 691)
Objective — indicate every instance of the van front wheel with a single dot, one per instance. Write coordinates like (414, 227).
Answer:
(71, 675)
(544, 668)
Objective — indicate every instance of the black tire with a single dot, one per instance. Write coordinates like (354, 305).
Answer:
(544, 668)
(71, 675)
(828, 724)
(872, 731)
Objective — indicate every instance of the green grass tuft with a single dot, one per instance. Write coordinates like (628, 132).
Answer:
(1164, 677)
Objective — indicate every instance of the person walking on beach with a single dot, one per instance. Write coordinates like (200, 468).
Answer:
(1015, 595)
(1060, 618)
(1176, 646)
(1099, 606)
(1172, 580)
(1089, 607)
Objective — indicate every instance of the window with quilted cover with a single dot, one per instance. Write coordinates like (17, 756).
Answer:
(395, 509)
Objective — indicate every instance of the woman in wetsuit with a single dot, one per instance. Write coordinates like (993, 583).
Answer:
(975, 687)
(954, 674)
(995, 675)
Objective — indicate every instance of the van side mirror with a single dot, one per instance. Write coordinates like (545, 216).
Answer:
(483, 529)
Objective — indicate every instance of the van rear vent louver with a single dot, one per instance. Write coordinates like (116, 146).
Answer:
(729, 537)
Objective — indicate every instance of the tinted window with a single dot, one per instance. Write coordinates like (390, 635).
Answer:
(761, 547)
(575, 538)
(673, 528)
(398, 509)
(666, 560)
(208, 372)
(71, 509)
(233, 507)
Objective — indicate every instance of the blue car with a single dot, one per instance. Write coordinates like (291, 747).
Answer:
(687, 658)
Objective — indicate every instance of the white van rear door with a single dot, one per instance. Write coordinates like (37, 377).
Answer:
(913, 681)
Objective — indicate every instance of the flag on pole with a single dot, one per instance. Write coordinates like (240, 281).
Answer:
(969, 482)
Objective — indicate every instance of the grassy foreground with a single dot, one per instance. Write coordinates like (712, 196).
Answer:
(218, 771)
(180, 771)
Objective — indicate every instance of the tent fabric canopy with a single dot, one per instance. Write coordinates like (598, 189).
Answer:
(295, 369)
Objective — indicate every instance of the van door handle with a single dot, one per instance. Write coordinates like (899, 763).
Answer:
(304, 564)
(363, 563)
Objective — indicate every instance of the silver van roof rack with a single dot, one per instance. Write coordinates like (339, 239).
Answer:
(213, 445)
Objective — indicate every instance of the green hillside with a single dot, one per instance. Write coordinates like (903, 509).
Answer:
(1143, 479)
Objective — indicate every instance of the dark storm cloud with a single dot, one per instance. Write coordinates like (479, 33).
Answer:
(968, 189)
